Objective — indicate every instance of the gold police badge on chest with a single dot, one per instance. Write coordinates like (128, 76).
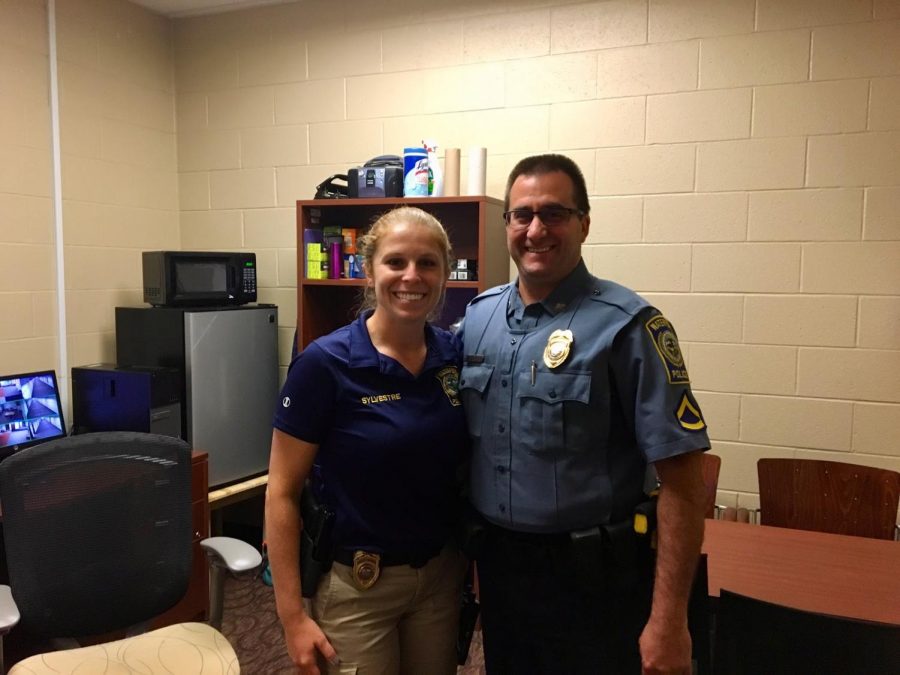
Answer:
(558, 346)
(366, 569)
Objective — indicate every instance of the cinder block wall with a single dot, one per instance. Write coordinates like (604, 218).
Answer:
(27, 267)
(743, 159)
(119, 163)
(119, 173)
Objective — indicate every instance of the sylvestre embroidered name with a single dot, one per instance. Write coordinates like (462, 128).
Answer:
(380, 398)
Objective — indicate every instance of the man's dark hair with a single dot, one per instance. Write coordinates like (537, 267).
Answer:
(538, 165)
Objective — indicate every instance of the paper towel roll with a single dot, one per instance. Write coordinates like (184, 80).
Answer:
(477, 164)
(451, 172)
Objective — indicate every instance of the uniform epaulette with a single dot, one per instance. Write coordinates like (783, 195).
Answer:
(611, 293)
(496, 290)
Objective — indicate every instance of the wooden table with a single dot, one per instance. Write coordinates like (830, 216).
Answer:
(237, 492)
(222, 497)
(854, 577)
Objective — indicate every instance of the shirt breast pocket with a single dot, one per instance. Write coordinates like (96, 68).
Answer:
(473, 384)
(554, 412)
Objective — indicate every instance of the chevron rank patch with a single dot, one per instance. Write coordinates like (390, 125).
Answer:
(689, 415)
(666, 343)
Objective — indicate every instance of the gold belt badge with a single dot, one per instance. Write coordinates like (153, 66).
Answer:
(366, 569)
(558, 346)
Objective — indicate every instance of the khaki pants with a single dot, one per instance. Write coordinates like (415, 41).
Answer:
(405, 624)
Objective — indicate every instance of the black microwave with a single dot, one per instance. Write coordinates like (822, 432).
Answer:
(198, 278)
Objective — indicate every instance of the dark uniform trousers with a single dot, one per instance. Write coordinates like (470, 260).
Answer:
(550, 605)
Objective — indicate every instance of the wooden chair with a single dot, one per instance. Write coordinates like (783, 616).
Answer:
(823, 496)
(710, 468)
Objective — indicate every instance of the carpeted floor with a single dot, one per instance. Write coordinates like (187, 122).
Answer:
(251, 625)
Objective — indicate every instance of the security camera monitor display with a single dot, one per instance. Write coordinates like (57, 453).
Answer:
(30, 411)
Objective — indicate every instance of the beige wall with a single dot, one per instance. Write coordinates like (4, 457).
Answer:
(27, 271)
(743, 159)
(118, 161)
(117, 164)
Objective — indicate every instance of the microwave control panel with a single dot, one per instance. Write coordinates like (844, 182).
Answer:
(249, 281)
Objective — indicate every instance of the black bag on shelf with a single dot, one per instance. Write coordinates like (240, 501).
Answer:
(329, 189)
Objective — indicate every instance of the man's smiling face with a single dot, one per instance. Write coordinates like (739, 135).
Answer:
(544, 255)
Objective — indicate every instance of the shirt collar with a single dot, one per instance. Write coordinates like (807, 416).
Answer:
(362, 352)
(364, 355)
(560, 297)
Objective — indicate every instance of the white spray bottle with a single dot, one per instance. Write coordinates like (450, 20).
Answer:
(434, 164)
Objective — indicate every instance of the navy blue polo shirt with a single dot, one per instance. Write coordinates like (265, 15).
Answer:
(390, 443)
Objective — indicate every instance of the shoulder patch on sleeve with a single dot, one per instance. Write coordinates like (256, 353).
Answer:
(689, 415)
(666, 342)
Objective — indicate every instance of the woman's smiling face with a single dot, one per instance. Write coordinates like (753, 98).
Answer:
(408, 273)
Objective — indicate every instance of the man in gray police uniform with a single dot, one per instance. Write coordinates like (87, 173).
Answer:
(575, 390)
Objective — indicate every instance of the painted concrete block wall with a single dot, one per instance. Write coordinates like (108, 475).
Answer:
(118, 165)
(118, 161)
(743, 160)
(28, 333)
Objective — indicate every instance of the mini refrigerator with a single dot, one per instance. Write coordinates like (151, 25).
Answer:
(227, 358)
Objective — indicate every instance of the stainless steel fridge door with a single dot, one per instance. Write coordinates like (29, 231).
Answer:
(231, 379)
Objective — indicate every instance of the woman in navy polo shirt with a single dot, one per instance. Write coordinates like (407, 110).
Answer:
(375, 405)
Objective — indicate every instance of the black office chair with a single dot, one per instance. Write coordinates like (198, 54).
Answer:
(699, 620)
(753, 636)
(98, 538)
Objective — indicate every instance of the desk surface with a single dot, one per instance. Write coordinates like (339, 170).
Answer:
(238, 491)
(835, 574)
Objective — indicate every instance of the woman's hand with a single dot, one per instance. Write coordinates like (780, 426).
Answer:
(305, 641)
(289, 464)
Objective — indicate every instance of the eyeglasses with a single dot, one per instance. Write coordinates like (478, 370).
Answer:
(550, 216)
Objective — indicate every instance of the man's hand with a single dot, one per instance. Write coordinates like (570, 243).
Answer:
(665, 650)
(665, 642)
(305, 641)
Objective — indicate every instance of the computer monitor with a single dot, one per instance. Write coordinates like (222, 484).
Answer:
(30, 411)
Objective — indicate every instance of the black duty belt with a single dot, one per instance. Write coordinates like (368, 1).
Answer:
(608, 537)
(415, 560)
(530, 538)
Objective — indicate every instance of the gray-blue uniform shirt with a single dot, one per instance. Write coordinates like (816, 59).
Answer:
(565, 424)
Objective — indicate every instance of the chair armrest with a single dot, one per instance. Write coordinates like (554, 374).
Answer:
(9, 612)
(225, 552)
(237, 555)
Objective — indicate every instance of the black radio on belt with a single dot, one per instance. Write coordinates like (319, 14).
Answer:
(379, 177)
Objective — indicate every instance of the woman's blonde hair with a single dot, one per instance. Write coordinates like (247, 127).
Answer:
(367, 247)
